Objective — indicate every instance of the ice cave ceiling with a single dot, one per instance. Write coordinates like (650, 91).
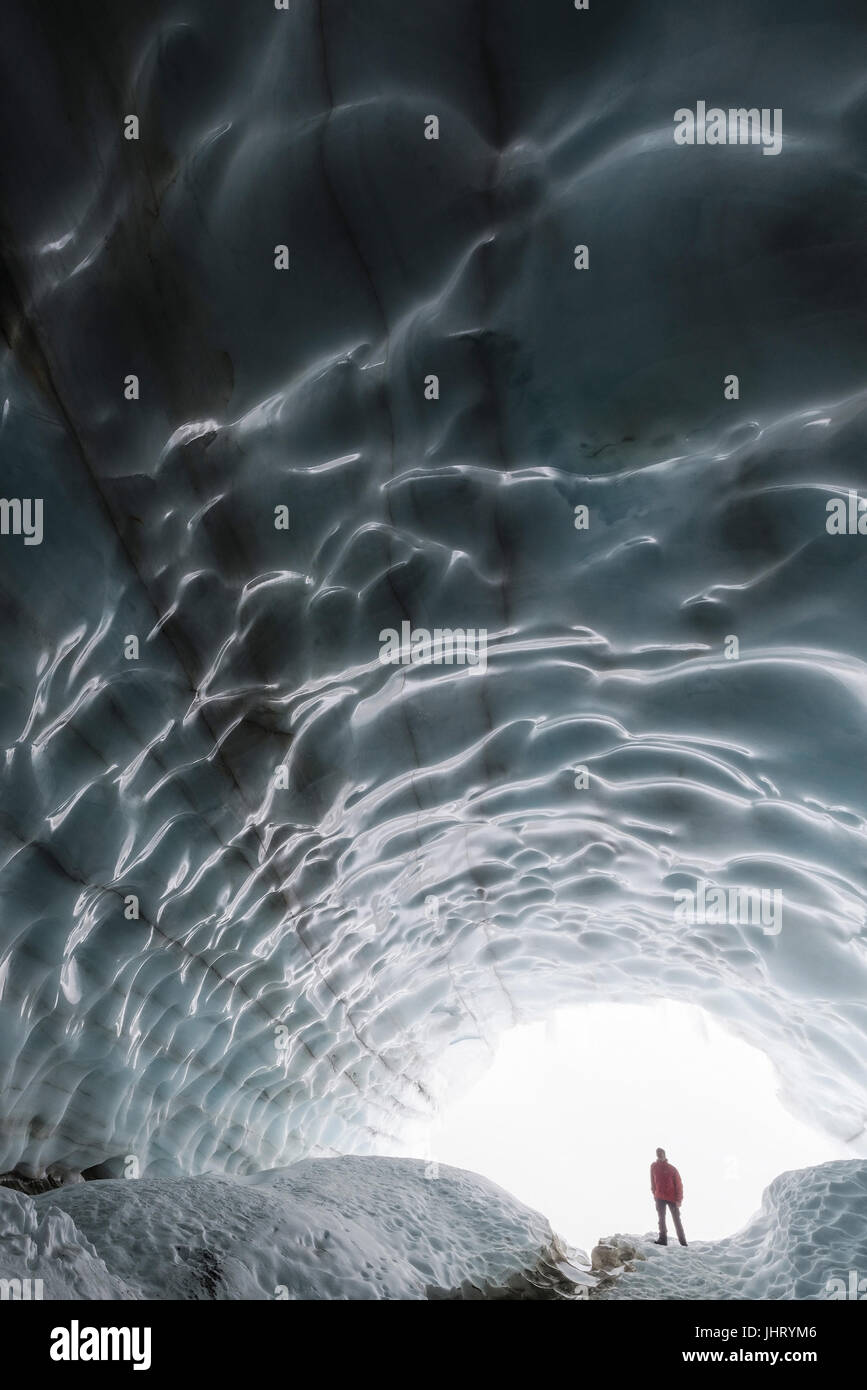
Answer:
(306, 956)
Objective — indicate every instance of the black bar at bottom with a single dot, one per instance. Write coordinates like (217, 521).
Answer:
(233, 1340)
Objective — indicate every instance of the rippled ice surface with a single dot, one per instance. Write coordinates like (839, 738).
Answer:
(307, 956)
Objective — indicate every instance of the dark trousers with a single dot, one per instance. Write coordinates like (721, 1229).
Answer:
(675, 1216)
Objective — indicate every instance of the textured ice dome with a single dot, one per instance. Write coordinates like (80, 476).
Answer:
(430, 874)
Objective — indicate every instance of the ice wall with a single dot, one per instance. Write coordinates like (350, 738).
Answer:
(347, 872)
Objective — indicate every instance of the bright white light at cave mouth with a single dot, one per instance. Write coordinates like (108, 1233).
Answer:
(570, 1113)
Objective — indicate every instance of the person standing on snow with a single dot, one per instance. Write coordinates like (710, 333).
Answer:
(667, 1189)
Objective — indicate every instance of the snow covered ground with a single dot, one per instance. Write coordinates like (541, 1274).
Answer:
(258, 885)
(811, 1231)
(385, 1228)
(344, 1228)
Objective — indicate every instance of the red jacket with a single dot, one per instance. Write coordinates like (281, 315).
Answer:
(665, 1181)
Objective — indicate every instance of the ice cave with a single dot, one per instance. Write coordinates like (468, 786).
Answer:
(286, 366)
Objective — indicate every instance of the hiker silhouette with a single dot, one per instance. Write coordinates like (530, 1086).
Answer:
(667, 1189)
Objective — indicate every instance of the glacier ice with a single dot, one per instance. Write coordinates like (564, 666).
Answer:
(383, 1228)
(256, 885)
(347, 1228)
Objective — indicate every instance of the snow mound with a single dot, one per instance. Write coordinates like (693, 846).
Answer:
(805, 1242)
(41, 1241)
(341, 1228)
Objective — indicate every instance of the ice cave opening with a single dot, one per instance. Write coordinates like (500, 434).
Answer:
(258, 884)
(570, 1111)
